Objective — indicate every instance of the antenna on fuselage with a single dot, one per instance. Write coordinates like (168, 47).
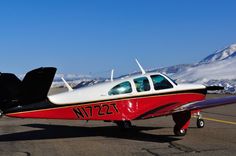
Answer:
(141, 68)
(67, 85)
(112, 74)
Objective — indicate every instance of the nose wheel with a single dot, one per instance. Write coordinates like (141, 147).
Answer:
(200, 121)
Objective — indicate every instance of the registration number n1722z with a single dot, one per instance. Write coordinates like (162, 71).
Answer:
(95, 110)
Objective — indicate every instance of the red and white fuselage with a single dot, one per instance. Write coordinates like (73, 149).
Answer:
(95, 103)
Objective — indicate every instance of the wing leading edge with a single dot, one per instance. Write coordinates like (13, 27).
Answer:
(206, 104)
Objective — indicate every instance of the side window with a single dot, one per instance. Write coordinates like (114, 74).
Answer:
(160, 82)
(142, 84)
(122, 88)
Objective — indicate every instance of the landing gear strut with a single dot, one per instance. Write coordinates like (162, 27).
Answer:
(200, 121)
(182, 120)
(124, 124)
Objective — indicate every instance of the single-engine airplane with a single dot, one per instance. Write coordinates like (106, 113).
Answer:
(142, 96)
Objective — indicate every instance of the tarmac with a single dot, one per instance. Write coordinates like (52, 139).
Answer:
(152, 137)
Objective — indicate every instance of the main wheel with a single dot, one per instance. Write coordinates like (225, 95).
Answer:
(124, 124)
(179, 132)
(200, 123)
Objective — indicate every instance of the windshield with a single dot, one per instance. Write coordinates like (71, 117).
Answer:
(160, 82)
(122, 88)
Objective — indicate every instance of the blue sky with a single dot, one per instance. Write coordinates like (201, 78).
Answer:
(94, 36)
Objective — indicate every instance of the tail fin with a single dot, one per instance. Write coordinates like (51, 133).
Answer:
(33, 88)
(36, 84)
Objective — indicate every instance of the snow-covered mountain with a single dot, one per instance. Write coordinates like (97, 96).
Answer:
(224, 54)
(218, 69)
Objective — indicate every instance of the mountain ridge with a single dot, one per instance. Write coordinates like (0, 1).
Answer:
(217, 68)
(226, 53)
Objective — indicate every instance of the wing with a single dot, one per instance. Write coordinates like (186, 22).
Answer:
(206, 104)
(172, 108)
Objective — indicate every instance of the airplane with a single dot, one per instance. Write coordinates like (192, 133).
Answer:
(138, 97)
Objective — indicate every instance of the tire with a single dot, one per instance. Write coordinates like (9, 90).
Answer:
(200, 123)
(179, 132)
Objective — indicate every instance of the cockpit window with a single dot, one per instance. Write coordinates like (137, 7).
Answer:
(160, 82)
(142, 84)
(122, 88)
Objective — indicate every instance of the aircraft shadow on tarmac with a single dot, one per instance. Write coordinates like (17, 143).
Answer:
(47, 131)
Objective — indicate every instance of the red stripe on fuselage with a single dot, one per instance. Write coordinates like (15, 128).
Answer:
(126, 109)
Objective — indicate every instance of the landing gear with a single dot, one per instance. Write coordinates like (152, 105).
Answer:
(182, 120)
(200, 121)
(179, 131)
(124, 124)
